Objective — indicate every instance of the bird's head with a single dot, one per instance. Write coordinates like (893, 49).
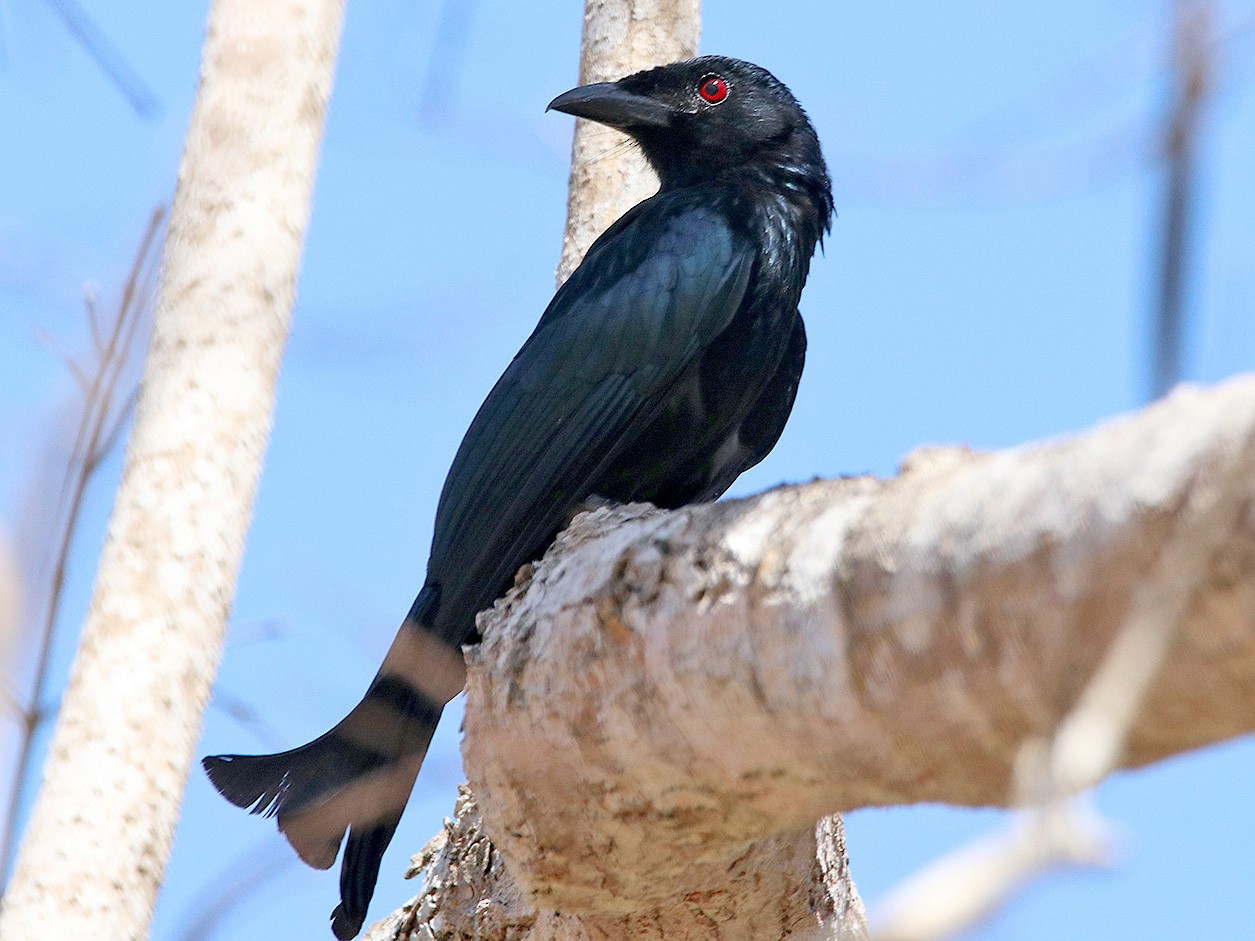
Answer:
(700, 119)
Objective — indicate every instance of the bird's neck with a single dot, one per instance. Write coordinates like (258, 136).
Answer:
(784, 209)
(797, 198)
(783, 185)
(787, 202)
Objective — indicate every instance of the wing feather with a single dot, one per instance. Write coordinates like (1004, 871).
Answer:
(613, 343)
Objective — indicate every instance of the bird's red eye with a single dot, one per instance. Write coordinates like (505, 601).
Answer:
(713, 89)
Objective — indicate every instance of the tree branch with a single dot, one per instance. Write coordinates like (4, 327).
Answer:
(1056, 827)
(796, 885)
(671, 696)
(660, 711)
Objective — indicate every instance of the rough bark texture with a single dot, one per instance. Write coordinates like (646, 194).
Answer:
(101, 828)
(671, 696)
(608, 173)
(795, 885)
(661, 709)
(671, 686)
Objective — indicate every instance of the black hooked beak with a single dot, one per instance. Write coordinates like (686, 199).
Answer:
(608, 103)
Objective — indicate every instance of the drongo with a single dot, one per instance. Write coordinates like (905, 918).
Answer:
(665, 366)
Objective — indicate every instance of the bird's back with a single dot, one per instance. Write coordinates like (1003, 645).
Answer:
(663, 368)
(633, 387)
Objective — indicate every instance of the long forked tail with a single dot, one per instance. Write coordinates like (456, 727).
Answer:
(356, 778)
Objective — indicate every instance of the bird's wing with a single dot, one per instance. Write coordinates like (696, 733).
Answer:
(651, 295)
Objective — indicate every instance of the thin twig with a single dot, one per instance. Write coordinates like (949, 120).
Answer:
(93, 438)
(53, 346)
(1193, 69)
(114, 428)
(93, 322)
(90, 36)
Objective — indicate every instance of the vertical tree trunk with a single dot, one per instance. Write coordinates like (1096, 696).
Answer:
(608, 175)
(100, 832)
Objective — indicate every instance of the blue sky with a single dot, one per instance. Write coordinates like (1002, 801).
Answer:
(986, 283)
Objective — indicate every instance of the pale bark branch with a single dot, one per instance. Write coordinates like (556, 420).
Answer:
(660, 711)
(1056, 828)
(100, 832)
(796, 885)
(966, 885)
(669, 693)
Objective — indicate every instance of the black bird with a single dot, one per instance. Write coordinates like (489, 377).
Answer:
(664, 367)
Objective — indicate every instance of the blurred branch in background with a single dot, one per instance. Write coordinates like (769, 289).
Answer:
(108, 395)
(1193, 69)
(91, 37)
(11, 603)
(447, 61)
(1081, 129)
(1024, 163)
(1074, 130)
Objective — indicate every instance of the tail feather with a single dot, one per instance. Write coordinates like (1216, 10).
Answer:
(291, 781)
(356, 778)
(362, 855)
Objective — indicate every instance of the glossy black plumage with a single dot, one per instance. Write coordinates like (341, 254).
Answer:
(664, 367)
